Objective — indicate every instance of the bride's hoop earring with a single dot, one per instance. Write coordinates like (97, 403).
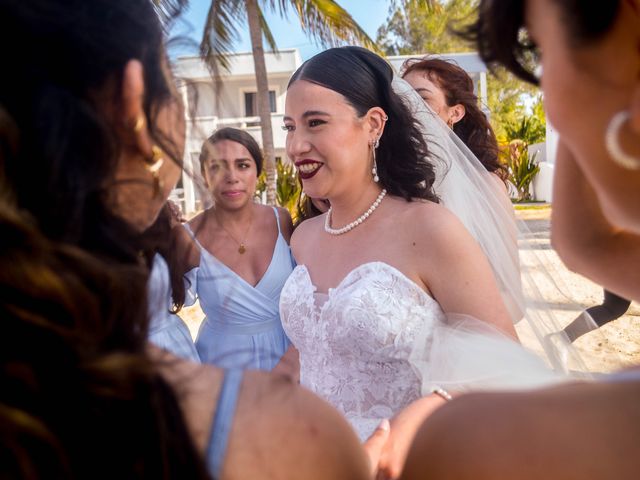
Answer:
(612, 142)
(374, 170)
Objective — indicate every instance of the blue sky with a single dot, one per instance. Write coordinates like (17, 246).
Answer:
(370, 14)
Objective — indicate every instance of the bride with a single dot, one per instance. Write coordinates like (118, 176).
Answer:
(386, 264)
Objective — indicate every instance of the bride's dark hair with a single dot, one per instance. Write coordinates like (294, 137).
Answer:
(364, 79)
(79, 395)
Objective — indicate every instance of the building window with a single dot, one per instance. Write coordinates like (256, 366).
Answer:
(251, 105)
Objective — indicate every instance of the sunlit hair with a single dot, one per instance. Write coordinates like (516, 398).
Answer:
(473, 129)
(364, 79)
(500, 39)
(75, 379)
(234, 135)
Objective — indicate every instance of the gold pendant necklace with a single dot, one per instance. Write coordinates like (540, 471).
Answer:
(242, 245)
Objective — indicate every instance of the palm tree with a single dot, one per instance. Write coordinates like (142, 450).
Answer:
(324, 20)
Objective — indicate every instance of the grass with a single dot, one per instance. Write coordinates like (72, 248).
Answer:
(532, 206)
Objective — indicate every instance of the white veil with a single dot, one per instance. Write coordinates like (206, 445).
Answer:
(466, 188)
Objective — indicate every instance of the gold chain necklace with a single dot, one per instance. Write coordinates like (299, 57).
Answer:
(242, 248)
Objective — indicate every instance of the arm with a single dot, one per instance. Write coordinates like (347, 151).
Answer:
(284, 431)
(587, 243)
(461, 280)
(279, 430)
(555, 433)
(457, 272)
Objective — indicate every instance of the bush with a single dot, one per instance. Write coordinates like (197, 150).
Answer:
(522, 167)
(288, 187)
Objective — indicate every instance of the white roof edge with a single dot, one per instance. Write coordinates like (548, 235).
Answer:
(233, 54)
(470, 61)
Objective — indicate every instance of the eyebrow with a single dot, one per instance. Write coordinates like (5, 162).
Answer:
(238, 159)
(309, 113)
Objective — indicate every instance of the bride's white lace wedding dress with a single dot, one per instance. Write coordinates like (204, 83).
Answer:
(355, 341)
(377, 342)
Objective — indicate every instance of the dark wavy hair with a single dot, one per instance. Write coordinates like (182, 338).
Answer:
(79, 396)
(498, 36)
(364, 79)
(235, 135)
(473, 129)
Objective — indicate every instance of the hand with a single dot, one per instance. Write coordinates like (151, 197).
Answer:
(375, 444)
(289, 364)
(404, 426)
(176, 213)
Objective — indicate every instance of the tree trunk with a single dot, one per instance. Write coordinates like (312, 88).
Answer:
(262, 98)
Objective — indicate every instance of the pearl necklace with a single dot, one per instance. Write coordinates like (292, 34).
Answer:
(356, 222)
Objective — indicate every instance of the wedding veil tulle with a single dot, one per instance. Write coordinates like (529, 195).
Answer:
(467, 351)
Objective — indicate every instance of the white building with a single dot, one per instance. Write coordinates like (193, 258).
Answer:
(234, 105)
(469, 62)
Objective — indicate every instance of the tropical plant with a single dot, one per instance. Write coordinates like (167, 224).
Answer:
(522, 167)
(324, 20)
(415, 28)
(288, 187)
(529, 129)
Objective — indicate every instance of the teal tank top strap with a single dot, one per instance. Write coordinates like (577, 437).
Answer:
(223, 420)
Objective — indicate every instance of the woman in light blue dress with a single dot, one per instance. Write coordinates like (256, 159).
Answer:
(167, 294)
(242, 258)
(166, 329)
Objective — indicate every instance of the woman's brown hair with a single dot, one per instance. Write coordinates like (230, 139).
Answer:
(474, 128)
(79, 395)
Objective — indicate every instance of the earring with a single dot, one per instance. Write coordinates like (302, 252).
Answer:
(374, 170)
(612, 142)
(450, 124)
(153, 166)
(139, 124)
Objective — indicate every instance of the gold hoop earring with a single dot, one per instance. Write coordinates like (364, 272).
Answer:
(139, 124)
(153, 166)
(612, 142)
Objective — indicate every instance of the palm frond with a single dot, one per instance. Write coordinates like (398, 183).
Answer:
(326, 22)
(220, 32)
(266, 31)
(167, 10)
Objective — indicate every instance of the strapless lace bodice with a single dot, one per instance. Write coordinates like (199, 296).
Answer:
(355, 341)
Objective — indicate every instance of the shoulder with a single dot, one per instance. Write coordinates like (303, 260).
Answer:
(305, 231)
(431, 222)
(277, 426)
(195, 224)
(557, 432)
(301, 435)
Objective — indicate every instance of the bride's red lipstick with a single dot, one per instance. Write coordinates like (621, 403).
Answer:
(308, 168)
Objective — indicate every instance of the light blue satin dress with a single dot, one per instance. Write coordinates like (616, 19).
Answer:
(167, 330)
(242, 328)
